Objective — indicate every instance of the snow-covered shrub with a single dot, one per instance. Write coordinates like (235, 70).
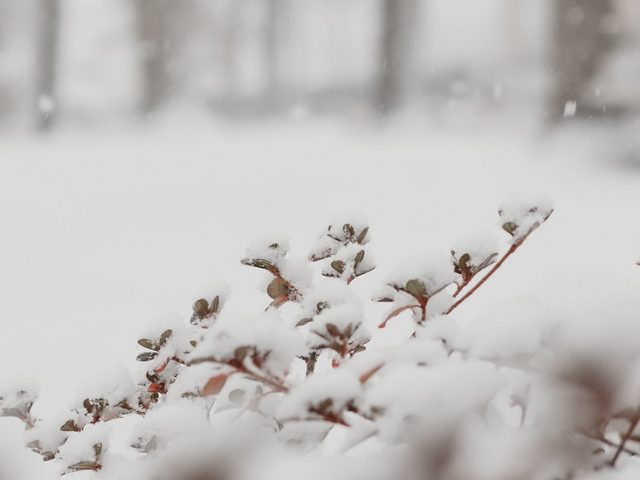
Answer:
(303, 390)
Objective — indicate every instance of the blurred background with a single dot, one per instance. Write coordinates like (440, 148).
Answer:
(96, 62)
(145, 143)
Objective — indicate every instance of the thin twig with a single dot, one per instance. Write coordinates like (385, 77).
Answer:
(397, 312)
(498, 264)
(625, 437)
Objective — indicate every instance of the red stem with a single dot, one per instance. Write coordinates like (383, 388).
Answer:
(498, 264)
(397, 312)
(507, 254)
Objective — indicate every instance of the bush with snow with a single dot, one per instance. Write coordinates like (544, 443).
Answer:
(305, 392)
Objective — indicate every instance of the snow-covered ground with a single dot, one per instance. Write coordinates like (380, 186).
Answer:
(104, 232)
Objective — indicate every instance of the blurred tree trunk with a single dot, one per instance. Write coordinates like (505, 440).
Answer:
(272, 31)
(153, 33)
(582, 39)
(232, 30)
(398, 21)
(47, 53)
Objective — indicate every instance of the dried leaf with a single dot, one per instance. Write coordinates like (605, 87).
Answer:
(278, 288)
(333, 330)
(201, 308)
(324, 406)
(214, 385)
(241, 352)
(156, 388)
(70, 426)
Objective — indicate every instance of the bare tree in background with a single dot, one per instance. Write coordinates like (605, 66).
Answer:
(397, 30)
(153, 18)
(47, 45)
(272, 32)
(582, 39)
(231, 29)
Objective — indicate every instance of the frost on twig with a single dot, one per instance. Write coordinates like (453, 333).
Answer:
(520, 218)
(288, 280)
(342, 247)
(418, 280)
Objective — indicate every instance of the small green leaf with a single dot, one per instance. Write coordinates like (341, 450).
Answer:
(48, 456)
(359, 257)
(80, 466)
(338, 266)
(215, 303)
(258, 263)
(348, 230)
(166, 335)
(148, 344)
(416, 288)
(363, 235)
(304, 321)
(510, 227)
(146, 356)
(320, 306)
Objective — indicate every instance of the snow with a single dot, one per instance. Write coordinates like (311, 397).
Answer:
(169, 422)
(16, 461)
(121, 242)
(266, 333)
(346, 318)
(272, 248)
(520, 216)
(479, 245)
(81, 448)
(434, 271)
(432, 399)
(340, 386)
